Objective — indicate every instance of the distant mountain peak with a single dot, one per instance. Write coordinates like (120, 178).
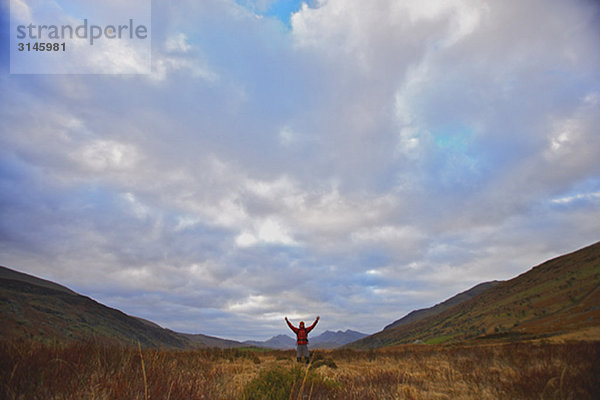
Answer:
(333, 339)
(280, 341)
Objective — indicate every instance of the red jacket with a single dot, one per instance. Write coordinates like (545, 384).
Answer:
(302, 332)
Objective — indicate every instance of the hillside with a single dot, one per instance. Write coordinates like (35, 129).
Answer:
(6, 273)
(558, 297)
(33, 308)
(423, 313)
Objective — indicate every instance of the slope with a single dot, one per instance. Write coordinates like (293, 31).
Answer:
(36, 309)
(7, 273)
(560, 296)
(423, 313)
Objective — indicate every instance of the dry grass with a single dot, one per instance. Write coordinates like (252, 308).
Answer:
(103, 371)
(513, 371)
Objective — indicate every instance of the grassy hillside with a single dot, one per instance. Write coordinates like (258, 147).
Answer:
(43, 311)
(418, 315)
(558, 297)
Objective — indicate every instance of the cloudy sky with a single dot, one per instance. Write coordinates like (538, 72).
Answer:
(344, 158)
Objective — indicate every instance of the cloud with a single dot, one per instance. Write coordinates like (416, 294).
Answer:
(375, 158)
(20, 10)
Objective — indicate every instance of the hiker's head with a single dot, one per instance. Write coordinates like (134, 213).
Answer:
(301, 324)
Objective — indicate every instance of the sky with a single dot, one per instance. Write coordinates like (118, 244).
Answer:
(350, 159)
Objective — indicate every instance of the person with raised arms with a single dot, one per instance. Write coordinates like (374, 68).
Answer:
(302, 339)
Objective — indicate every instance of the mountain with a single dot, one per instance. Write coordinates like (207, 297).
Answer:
(326, 340)
(417, 315)
(37, 309)
(331, 340)
(276, 342)
(560, 297)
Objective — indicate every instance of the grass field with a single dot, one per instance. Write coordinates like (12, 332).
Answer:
(103, 371)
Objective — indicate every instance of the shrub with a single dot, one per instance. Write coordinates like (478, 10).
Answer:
(280, 383)
(272, 384)
(319, 361)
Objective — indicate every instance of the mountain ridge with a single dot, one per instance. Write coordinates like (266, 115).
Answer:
(560, 296)
(422, 313)
(7, 273)
(276, 342)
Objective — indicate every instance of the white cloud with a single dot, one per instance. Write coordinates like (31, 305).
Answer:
(579, 196)
(251, 304)
(163, 65)
(271, 231)
(104, 155)
(117, 57)
(20, 11)
(246, 239)
(383, 154)
(139, 209)
(178, 43)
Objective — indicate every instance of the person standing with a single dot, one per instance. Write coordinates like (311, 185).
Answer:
(302, 339)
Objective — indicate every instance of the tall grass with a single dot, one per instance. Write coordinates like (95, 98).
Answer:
(108, 371)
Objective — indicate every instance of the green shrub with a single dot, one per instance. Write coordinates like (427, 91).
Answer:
(273, 384)
(279, 383)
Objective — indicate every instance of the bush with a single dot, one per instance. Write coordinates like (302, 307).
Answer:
(272, 384)
(279, 383)
(319, 361)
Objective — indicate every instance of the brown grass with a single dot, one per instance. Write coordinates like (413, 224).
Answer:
(105, 371)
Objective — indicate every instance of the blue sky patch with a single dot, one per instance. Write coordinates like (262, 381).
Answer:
(279, 9)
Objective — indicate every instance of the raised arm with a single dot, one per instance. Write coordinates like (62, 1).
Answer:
(292, 327)
(313, 324)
